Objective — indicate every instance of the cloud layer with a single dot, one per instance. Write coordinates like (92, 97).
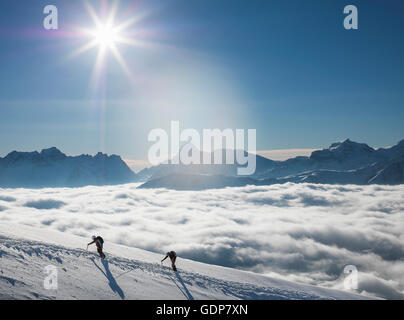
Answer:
(300, 232)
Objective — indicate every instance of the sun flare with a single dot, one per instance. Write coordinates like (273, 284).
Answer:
(106, 36)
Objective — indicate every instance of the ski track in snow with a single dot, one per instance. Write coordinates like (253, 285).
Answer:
(83, 275)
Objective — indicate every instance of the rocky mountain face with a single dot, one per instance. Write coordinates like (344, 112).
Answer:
(52, 168)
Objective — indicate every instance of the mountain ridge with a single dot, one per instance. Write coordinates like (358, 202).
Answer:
(52, 168)
(345, 162)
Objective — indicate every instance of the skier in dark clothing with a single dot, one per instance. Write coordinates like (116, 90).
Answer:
(173, 257)
(99, 242)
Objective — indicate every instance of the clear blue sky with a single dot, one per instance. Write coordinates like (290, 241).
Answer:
(287, 68)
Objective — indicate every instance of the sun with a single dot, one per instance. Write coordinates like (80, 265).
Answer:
(106, 36)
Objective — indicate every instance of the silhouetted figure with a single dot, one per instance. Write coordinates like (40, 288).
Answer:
(99, 242)
(173, 257)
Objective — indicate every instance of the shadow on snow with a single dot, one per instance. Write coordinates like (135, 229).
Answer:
(112, 282)
(184, 290)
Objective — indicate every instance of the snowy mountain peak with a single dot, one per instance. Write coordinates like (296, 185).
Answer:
(401, 143)
(100, 155)
(16, 155)
(349, 145)
(53, 153)
(346, 150)
(53, 168)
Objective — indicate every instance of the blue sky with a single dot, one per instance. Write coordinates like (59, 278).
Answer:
(286, 68)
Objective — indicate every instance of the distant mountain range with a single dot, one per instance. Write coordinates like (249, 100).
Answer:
(52, 168)
(345, 162)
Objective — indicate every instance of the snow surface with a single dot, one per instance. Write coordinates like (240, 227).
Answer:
(127, 273)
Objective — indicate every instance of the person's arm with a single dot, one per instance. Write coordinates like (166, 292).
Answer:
(91, 243)
(165, 258)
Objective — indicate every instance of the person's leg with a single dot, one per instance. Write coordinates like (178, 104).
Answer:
(102, 255)
(173, 263)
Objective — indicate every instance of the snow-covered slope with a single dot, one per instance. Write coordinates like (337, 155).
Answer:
(127, 273)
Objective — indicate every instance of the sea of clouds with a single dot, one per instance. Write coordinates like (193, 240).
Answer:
(299, 232)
